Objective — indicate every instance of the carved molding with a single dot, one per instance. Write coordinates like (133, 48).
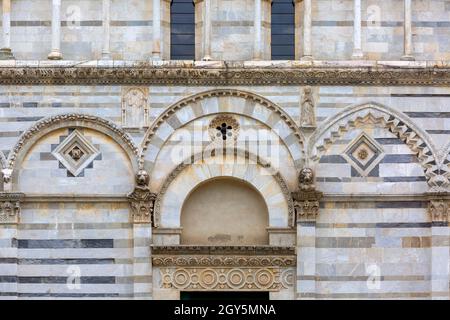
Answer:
(224, 261)
(194, 158)
(10, 207)
(218, 93)
(229, 73)
(70, 117)
(251, 279)
(439, 210)
(398, 124)
(191, 250)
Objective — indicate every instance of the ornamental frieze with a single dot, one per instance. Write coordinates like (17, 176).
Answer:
(231, 74)
(252, 279)
(225, 261)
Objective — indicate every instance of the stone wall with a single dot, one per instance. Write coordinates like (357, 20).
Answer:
(232, 34)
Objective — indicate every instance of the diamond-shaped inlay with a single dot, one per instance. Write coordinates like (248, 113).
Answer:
(363, 154)
(75, 152)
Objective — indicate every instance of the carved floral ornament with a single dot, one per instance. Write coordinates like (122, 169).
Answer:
(225, 268)
(223, 129)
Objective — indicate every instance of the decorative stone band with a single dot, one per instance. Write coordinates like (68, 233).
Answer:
(223, 261)
(403, 73)
(439, 211)
(10, 207)
(223, 250)
(222, 279)
(306, 204)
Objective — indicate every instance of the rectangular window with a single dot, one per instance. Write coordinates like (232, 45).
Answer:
(283, 30)
(182, 30)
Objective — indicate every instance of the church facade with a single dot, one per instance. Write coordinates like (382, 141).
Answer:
(160, 149)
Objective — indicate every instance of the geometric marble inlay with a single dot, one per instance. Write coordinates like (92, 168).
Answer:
(75, 153)
(363, 154)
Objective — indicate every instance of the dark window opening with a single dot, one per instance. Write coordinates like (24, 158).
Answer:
(182, 30)
(283, 30)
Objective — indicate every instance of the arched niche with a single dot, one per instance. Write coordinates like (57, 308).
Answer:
(224, 211)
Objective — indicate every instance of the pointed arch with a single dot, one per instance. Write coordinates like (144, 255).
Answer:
(47, 125)
(397, 123)
(214, 102)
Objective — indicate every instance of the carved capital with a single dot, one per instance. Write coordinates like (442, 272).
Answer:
(439, 210)
(306, 204)
(10, 207)
(142, 200)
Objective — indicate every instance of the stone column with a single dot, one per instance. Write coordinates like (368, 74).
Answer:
(141, 215)
(106, 54)
(257, 54)
(306, 203)
(439, 211)
(156, 51)
(307, 28)
(207, 31)
(357, 48)
(9, 219)
(5, 51)
(408, 49)
(55, 54)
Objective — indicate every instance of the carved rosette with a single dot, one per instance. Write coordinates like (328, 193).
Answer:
(306, 200)
(439, 210)
(10, 207)
(142, 200)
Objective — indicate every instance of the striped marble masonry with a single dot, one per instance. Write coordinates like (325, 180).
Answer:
(73, 250)
(373, 249)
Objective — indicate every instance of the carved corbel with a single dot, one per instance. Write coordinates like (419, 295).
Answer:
(439, 210)
(10, 207)
(306, 200)
(142, 200)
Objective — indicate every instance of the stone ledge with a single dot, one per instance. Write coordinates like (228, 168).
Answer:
(105, 72)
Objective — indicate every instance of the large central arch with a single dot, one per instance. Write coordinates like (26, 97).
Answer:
(221, 101)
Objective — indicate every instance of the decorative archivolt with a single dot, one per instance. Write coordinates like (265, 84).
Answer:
(44, 126)
(170, 111)
(195, 159)
(400, 125)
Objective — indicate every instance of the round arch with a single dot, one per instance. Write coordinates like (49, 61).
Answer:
(399, 124)
(211, 210)
(222, 101)
(47, 125)
(188, 175)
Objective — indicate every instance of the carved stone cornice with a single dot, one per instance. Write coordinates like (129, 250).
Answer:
(223, 250)
(223, 261)
(396, 73)
(10, 207)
